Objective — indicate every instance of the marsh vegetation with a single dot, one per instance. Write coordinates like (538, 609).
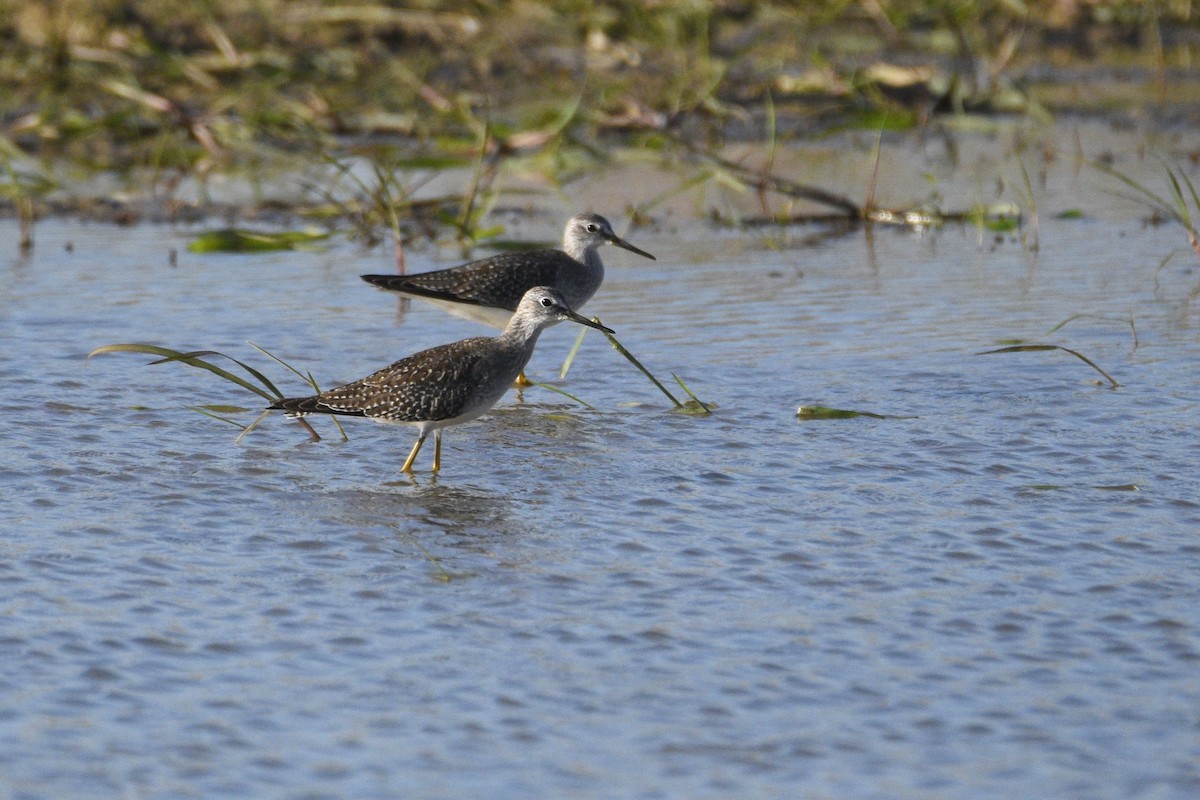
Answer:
(165, 96)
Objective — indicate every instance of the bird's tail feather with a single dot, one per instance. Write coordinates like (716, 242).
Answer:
(299, 406)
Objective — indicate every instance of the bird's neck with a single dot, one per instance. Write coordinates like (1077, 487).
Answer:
(520, 333)
(584, 282)
(585, 254)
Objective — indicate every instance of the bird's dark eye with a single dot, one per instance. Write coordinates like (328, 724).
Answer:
(592, 227)
(547, 302)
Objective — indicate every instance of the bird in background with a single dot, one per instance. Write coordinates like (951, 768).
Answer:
(489, 290)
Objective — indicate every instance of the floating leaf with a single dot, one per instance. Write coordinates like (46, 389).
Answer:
(1054, 487)
(824, 412)
(238, 240)
(1000, 225)
(891, 120)
(999, 218)
(483, 234)
(695, 405)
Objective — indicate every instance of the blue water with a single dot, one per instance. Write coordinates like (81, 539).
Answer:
(992, 593)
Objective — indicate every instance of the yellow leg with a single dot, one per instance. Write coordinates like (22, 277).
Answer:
(412, 456)
(521, 382)
(437, 451)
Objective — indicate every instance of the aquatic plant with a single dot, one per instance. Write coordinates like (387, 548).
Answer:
(240, 240)
(21, 187)
(825, 412)
(215, 85)
(693, 406)
(1181, 208)
(257, 383)
(1033, 348)
(261, 384)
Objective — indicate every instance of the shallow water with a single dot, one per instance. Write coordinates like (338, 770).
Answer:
(991, 594)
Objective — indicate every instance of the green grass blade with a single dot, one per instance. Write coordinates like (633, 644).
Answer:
(208, 413)
(1181, 207)
(1192, 190)
(443, 575)
(1019, 348)
(621, 349)
(1040, 347)
(187, 356)
(1160, 203)
(570, 359)
(1065, 322)
(565, 394)
(696, 402)
(266, 413)
(261, 378)
(307, 378)
(166, 355)
(1091, 364)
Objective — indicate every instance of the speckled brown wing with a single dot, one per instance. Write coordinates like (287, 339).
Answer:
(498, 282)
(428, 386)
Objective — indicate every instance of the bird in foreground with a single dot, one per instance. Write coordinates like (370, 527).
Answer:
(449, 384)
(488, 290)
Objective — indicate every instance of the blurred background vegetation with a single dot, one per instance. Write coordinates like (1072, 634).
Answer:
(218, 84)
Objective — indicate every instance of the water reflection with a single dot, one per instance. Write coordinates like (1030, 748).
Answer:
(423, 520)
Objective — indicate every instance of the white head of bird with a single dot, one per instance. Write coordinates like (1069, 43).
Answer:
(585, 233)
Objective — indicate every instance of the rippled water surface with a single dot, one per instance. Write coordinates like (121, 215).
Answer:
(993, 593)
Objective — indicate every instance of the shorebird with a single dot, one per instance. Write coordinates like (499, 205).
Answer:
(488, 290)
(449, 384)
